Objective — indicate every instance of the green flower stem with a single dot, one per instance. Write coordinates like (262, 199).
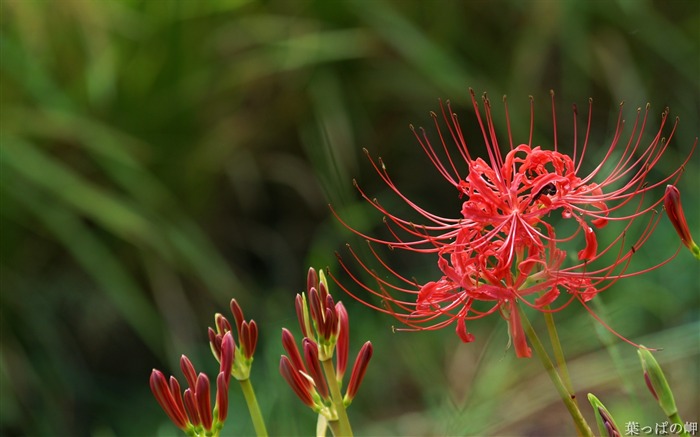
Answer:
(344, 428)
(558, 351)
(253, 408)
(334, 425)
(582, 427)
(676, 418)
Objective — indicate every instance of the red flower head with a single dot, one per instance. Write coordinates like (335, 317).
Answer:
(502, 249)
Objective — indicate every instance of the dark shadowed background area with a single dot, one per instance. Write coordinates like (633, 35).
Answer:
(161, 157)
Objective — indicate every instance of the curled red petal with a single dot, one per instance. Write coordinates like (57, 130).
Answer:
(591, 248)
(547, 298)
(462, 331)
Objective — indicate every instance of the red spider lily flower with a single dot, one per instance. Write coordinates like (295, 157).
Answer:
(674, 209)
(503, 247)
(191, 411)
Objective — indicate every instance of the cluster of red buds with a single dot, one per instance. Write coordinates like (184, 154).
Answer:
(314, 378)
(247, 340)
(325, 326)
(191, 411)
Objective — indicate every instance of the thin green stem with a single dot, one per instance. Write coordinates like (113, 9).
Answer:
(253, 408)
(558, 351)
(344, 428)
(676, 418)
(581, 426)
(334, 425)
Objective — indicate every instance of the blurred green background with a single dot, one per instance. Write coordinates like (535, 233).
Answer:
(161, 157)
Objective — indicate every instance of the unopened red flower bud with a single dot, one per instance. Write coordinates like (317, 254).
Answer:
(322, 285)
(215, 343)
(647, 381)
(222, 396)
(188, 371)
(314, 366)
(202, 393)
(290, 346)
(674, 209)
(222, 323)
(227, 354)
(358, 372)
(177, 393)
(295, 381)
(311, 279)
(656, 381)
(315, 308)
(303, 314)
(343, 345)
(606, 423)
(330, 324)
(192, 408)
(249, 338)
(166, 399)
(237, 314)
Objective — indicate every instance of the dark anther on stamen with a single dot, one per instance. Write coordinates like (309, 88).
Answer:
(548, 190)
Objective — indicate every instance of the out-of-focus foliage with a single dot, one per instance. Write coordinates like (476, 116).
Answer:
(160, 157)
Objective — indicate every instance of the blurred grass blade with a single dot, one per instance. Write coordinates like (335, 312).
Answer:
(95, 258)
(115, 214)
